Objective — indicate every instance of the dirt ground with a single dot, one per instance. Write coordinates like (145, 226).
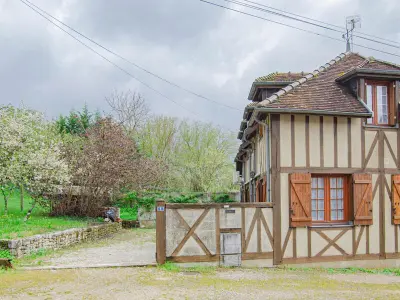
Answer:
(156, 283)
(129, 247)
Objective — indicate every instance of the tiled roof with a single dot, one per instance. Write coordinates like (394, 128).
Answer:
(318, 91)
(277, 77)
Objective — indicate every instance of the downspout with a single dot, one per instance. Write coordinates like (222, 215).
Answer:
(267, 158)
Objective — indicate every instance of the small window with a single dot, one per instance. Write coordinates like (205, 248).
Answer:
(329, 198)
(377, 100)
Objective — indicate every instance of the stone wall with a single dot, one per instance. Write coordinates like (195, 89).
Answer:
(60, 239)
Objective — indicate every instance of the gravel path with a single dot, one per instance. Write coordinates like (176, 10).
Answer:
(157, 283)
(129, 247)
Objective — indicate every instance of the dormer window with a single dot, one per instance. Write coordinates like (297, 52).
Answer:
(378, 100)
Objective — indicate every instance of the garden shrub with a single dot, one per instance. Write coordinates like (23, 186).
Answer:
(222, 198)
(5, 254)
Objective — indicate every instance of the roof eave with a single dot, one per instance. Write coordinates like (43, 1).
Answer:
(257, 84)
(387, 74)
(313, 112)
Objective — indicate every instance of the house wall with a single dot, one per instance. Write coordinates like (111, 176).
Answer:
(316, 144)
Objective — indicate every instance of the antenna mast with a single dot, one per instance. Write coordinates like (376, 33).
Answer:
(352, 22)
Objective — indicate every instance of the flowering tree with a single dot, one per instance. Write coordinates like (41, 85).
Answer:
(29, 154)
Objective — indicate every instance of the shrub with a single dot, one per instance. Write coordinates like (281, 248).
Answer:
(222, 198)
(5, 254)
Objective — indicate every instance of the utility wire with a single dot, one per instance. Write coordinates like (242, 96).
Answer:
(114, 64)
(306, 22)
(297, 28)
(129, 61)
(311, 19)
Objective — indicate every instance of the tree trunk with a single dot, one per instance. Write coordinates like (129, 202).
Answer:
(21, 196)
(28, 214)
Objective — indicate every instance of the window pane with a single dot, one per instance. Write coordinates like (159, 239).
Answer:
(333, 182)
(320, 182)
(333, 204)
(340, 182)
(320, 194)
(340, 204)
(320, 215)
(333, 194)
(369, 102)
(320, 204)
(313, 194)
(340, 194)
(314, 215)
(314, 183)
(381, 99)
(340, 215)
(333, 215)
(313, 204)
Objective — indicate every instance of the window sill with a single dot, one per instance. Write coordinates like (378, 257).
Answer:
(380, 126)
(342, 225)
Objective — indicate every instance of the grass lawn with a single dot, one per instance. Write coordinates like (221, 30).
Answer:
(12, 226)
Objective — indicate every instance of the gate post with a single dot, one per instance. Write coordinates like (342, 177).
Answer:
(160, 232)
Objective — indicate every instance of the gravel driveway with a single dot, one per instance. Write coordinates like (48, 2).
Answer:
(127, 248)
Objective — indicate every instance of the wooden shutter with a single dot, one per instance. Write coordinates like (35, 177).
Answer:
(300, 200)
(264, 189)
(258, 191)
(392, 103)
(396, 199)
(362, 195)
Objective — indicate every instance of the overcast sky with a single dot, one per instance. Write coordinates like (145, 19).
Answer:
(214, 52)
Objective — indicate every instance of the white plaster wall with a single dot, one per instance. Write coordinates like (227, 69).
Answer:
(300, 140)
(314, 128)
(302, 242)
(374, 160)
(374, 228)
(388, 158)
(356, 143)
(342, 144)
(328, 142)
(285, 141)
(389, 228)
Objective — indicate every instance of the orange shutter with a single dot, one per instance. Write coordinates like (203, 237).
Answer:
(300, 200)
(396, 199)
(362, 195)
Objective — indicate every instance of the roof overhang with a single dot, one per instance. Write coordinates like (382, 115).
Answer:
(313, 112)
(240, 135)
(369, 73)
(265, 84)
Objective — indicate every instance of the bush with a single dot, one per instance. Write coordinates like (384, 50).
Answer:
(222, 198)
(5, 254)
(194, 198)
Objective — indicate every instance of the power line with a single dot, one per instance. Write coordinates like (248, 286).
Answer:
(325, 23)
(284, 15)
(114, 64)
(297, 28)
(129, 61)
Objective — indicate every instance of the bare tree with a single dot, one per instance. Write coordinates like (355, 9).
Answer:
(130, 109)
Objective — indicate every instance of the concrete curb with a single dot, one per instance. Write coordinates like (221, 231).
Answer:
(97, 266)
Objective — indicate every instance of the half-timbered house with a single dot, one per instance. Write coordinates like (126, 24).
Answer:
(324, 149)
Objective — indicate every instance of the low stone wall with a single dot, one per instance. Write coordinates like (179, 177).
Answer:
(60, 239)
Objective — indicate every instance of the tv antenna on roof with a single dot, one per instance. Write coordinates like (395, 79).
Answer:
(352, 22)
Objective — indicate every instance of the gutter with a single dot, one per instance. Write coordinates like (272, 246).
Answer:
(316, 112)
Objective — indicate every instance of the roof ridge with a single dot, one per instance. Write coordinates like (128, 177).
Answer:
(378, 60)
(275, 96)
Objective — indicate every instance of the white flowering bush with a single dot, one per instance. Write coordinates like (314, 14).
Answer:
(30, 153)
